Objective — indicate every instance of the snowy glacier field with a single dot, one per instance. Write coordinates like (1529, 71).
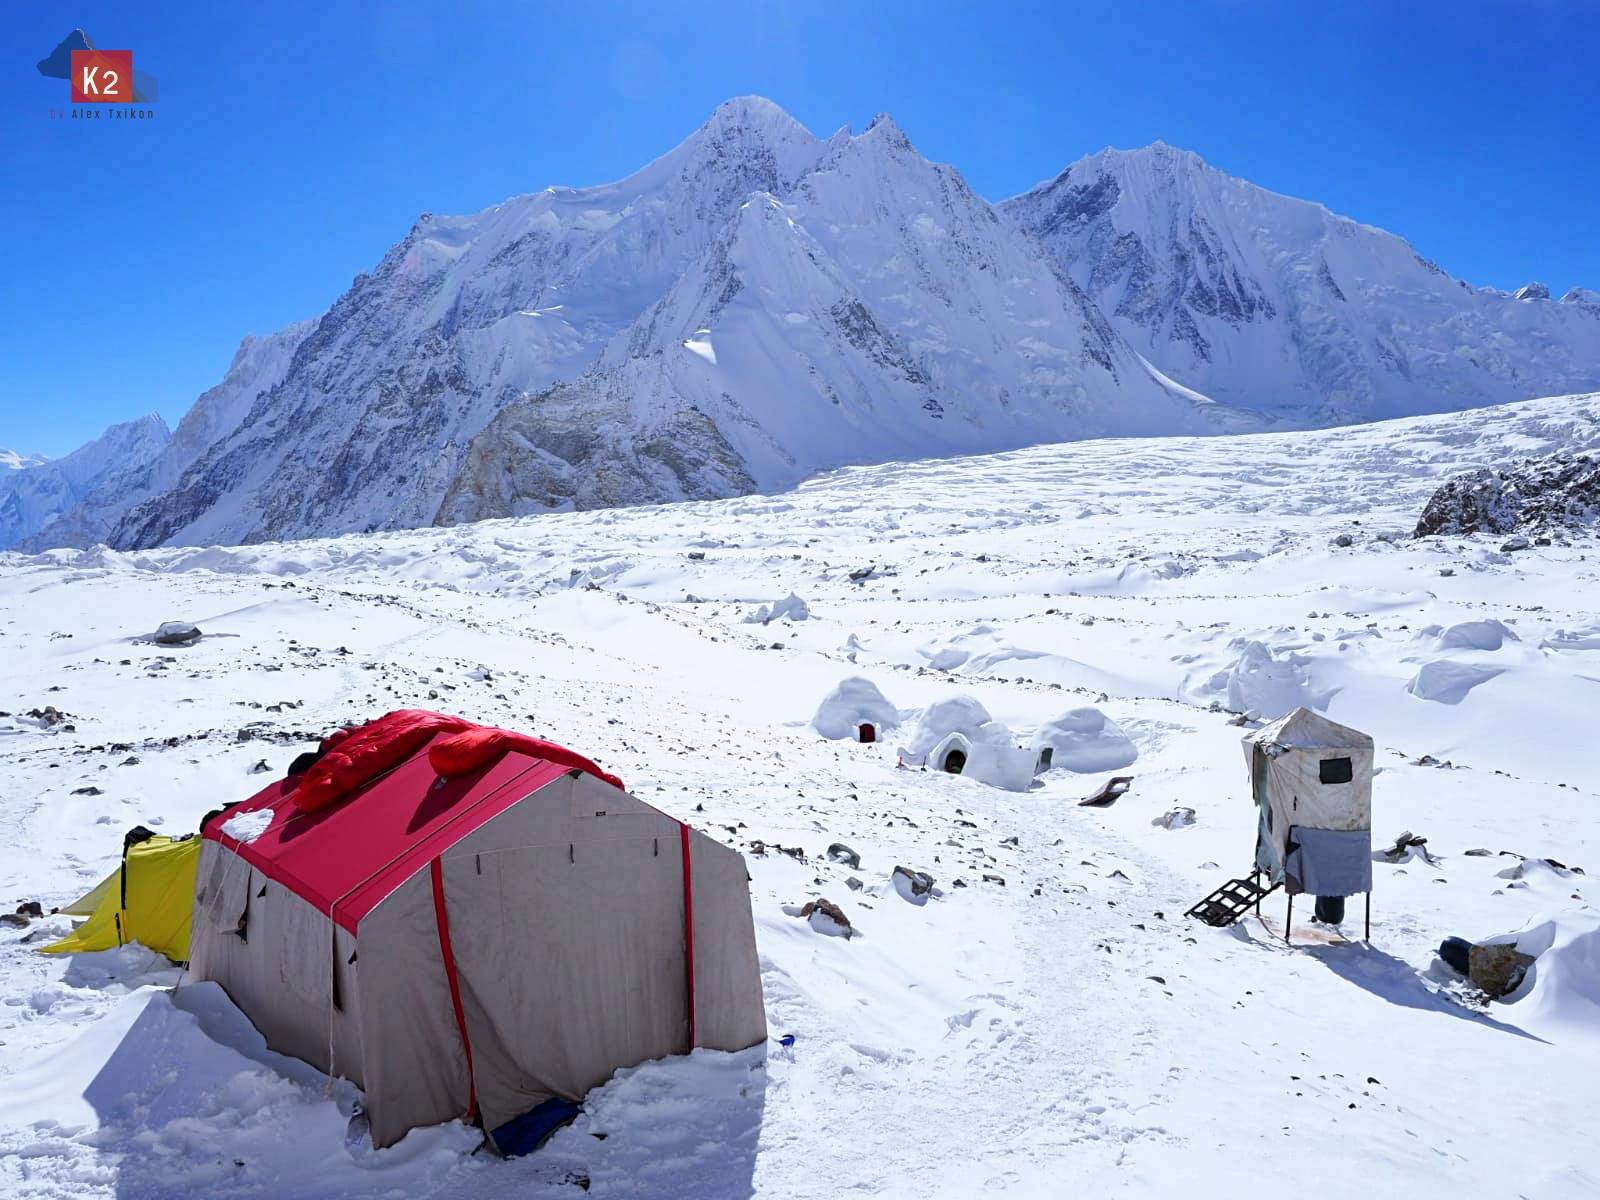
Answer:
(1047, 1022)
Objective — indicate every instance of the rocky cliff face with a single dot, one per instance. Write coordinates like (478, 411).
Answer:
(1556, 492)
(1277, 305)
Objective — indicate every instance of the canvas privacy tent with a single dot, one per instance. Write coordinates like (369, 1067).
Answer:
(468, 922)
(1312, 783)
(147, 899)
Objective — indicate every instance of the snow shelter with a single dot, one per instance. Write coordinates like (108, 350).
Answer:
(468, 922)
(147, 899)
(1312, 783)
(1002, 766)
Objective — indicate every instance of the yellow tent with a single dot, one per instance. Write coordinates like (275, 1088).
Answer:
(148, 899)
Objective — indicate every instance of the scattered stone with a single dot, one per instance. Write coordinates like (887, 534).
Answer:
(839, 852)
(913, 886)
(91, 790)
(176, 633)
(1000, 879)
(1498, 969)
(30, 908)
(862, 574)
(13, 920)
(260, 768)
(854, 884)
(827, 917)
(1447, 571)
(697, 555)
(1344, 539)
(1178, 817)
(1407, 846)
(1510, 545)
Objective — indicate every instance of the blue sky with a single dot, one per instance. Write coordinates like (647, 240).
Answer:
(294, 142)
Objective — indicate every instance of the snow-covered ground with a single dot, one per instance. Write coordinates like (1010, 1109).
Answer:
(1060, 1031)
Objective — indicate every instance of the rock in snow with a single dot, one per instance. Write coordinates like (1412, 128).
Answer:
(825, 916)
(912, 886)
(176, 633)
(1559, 491)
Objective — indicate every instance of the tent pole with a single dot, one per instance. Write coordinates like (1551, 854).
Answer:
(1369, 916)
(1288, 917)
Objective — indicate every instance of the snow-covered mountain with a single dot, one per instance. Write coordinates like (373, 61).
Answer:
(258, 365)
(876, 309)
(756, 305)
(35, 491)
(760, 304)
(1280, 306)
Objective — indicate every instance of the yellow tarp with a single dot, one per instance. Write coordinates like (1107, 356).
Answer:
(149, 900)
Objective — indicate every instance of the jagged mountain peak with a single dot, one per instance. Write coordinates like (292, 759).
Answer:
(753, 110)
(1277, 304)
(887, 128)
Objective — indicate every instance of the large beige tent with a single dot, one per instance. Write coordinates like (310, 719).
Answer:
(1312, 783)
(470, 923)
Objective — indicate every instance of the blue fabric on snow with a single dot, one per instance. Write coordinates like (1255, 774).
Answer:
(525, 1134)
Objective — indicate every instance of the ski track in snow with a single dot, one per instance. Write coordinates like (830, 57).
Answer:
(1066, 1030)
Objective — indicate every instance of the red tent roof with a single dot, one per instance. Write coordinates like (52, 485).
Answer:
(387, 798)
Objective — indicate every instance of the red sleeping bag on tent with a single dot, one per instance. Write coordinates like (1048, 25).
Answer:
(479, 745)
(352, 758)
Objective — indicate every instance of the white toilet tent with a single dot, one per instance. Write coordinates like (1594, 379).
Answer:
(1312, 782)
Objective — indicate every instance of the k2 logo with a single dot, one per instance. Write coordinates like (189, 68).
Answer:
(102, 76)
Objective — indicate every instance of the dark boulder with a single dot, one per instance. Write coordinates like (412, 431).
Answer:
(1559, 491)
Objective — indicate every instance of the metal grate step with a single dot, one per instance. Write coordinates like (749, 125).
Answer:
(1232, 900)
